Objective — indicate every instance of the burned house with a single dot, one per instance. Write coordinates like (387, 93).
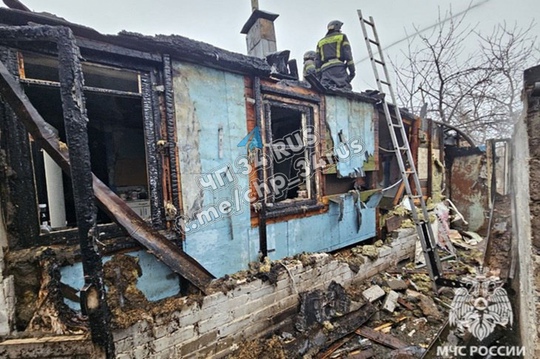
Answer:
(201, 161)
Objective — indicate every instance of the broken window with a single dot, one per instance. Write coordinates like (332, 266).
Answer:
(289, 146)
(115, 132)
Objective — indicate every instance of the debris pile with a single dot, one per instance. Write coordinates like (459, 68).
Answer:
(393, 314)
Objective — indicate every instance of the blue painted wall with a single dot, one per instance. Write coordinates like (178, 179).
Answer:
(156, 282)
(322, 232)
(354, 120)
(211, 121)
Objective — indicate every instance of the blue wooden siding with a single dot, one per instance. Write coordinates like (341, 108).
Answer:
(354, 120)
(323, 232)
(211, 121)
(209, 102)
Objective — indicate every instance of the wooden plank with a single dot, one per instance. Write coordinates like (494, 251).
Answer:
(381, 338)
(399, 193)
(364, 354)
(319, 338)
(328, 353)
(404, 303)
(394, 222)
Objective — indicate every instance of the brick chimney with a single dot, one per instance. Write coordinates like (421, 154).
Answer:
(260, 33)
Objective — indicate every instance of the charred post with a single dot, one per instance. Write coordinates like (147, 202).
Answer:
(171, 130)
(263, 242)
(19, 174)
(76, 120)
(151, 125)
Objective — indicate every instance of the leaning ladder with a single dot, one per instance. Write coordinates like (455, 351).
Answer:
(404, 156)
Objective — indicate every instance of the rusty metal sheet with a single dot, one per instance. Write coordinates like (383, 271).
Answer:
(469, 188)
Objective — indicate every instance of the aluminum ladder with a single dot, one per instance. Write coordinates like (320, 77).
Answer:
(404, 157)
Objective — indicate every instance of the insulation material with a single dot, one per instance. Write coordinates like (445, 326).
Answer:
(423, 163)
(352, 132)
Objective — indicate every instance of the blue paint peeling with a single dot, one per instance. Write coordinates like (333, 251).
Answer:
(350, 123)
(156, 282)
(228, 244)
(221, 246)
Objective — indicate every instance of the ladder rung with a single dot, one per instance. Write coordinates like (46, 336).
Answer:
(379, 62)
(402, 148)
(385, 83)
(368, 22)
(397, 125)
(416, 196)
(409, 172)
(373, 42)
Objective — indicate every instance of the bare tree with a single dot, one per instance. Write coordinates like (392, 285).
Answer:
(475, 87)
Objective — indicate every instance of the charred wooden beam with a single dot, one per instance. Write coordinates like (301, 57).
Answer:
(75, 122)
(118, 51)
(70, 236)
(292, 94)
(119, 211)
(158, 245)
(381, 338)
(151, 129)
(171, 131)
(263, 242)
(319, 338)
(19, 192)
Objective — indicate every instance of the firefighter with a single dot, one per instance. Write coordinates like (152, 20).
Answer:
(334, 58)
(309, 63)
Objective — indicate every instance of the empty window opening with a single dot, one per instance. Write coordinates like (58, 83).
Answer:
(289, 175)
(115, 133)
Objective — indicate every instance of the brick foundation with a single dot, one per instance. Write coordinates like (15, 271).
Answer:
(213, 328)
(249, 310)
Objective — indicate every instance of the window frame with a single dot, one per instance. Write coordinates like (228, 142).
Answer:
(151, 117)
(310, 118)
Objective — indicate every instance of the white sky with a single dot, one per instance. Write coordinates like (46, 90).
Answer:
(300, 25)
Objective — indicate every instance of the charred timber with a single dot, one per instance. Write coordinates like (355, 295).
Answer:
(263, 241)
(151, 129)
(75, 121)
(319, 338)
(18, 183)
(178, 47)
(289, 93)
(171, 129)
(119, 211)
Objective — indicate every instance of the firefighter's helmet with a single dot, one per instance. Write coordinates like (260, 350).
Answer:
(334, 25)
(310, 55)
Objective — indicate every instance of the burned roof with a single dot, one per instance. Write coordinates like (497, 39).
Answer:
(177, 46)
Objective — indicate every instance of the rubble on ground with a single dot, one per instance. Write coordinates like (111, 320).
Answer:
(408, 315)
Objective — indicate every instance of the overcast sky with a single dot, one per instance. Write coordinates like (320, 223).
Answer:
(300, 25)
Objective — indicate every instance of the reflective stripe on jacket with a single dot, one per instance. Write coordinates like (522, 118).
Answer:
(333, 49)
